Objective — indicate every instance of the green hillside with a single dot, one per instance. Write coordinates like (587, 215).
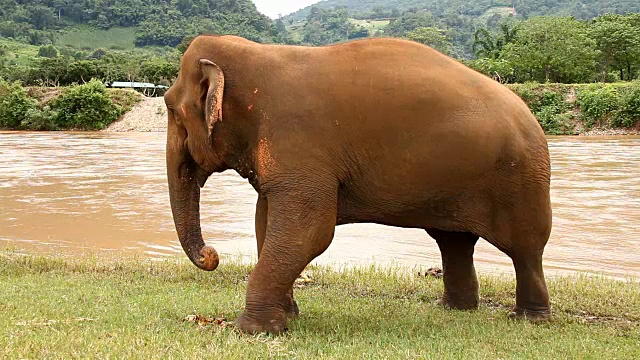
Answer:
(87, 38)
(61, 42)
(151, 22)
(581, 9)
(451, 25)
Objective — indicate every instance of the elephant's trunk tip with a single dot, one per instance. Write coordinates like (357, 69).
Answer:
(209, 260)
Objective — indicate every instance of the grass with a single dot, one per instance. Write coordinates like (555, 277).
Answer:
(87, 38)
(54, 308)
(372, 25)
(19, 53)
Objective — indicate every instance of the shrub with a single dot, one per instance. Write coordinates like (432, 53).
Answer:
(48, 51)
(598, 103)
(547, 102)
(629, 112)
(99, 54)
(554, 121)
(36, 119)
(86, 107)
(14, 104)
(125, 98)
(538, 96)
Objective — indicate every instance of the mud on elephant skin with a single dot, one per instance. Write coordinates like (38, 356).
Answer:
(383, 131)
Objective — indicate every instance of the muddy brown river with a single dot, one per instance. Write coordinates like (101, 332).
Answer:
(105, 194)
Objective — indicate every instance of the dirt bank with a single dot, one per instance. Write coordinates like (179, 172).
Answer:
(150, 114)
(612, 131)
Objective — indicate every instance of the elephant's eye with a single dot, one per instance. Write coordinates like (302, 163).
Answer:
(172, 114)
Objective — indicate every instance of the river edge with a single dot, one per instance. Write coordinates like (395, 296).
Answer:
(150, 309)
(150, 115)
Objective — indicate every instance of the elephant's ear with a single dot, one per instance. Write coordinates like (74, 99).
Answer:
(213, 105)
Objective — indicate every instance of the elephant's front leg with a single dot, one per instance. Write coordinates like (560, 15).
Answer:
(300, 226)
(261, 232)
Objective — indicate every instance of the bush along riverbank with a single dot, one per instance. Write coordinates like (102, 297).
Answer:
(561, 109)
(89, 106)
(55, 308)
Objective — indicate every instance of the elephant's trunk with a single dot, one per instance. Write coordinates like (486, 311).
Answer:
(184, 192)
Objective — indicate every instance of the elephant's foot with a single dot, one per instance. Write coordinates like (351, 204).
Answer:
(531, 315)
(275, 324)
(459, 303)
(272, 322)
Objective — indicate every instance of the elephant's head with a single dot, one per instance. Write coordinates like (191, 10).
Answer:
(194, 106)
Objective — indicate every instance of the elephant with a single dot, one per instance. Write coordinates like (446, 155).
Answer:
(384, 131)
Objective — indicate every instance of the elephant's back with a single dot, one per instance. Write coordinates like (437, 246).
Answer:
(413, 86)
(426, 115)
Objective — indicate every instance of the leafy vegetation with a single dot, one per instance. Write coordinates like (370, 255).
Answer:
(80, 40)
(561, 49)
(561, 109)
(618, 40)
(432, 36)
(83, 107)
(552, 49)
(80, 67)
(164, 22)
(113, 309)
(564, 109)
(548, 103)
(611, 104)
(507, 38)
(15, 103)
(135, 40)
(86, 107)
(330, 26)
(628, 115)
(462, 18)
(581, 9)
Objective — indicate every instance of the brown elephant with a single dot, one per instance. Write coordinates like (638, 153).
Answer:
(383, 131)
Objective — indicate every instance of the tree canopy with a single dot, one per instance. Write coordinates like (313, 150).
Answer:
(561, 49)
(505, 39)
(159, 22)
(581, 9)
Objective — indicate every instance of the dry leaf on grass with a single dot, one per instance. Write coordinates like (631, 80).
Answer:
(435, 272)
(203, 321)
(302, 281)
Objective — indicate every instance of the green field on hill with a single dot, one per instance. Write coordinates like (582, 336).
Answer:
(87, 38)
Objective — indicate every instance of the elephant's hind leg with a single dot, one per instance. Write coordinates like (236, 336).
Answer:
(532, 297)
(523, 237)
(460, 281)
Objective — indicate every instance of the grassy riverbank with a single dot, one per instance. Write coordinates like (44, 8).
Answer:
(54, 308)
